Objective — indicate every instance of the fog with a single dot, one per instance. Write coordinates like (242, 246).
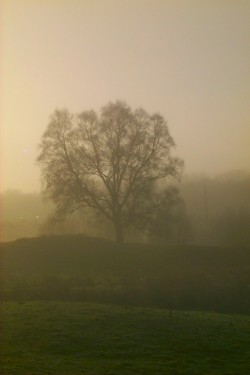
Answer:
(217, 212)
(125, 186)
(188, 61)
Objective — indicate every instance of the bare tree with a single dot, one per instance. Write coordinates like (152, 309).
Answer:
(110, 163)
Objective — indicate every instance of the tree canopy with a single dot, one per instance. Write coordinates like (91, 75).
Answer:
(111, 162)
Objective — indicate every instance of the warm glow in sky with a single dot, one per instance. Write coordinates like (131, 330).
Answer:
(188, 60)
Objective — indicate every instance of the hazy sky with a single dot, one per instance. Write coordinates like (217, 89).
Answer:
(188, 60)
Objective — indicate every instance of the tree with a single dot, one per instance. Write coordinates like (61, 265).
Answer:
(232, 227)
(111, 163)
(170, 222)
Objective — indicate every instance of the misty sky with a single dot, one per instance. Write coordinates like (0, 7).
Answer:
(188, 60)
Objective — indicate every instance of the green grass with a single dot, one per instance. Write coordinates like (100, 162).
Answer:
(64, 338)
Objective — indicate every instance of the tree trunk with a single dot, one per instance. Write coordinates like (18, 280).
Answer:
(118, 232)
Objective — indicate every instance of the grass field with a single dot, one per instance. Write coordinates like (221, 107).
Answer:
(64, 338)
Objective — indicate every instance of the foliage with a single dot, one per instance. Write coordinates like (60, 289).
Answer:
(111, 163)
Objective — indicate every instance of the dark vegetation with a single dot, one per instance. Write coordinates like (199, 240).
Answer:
(78, 268)
(62, 338)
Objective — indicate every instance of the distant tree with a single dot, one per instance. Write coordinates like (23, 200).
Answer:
(111, 163)
(170, 222)
(232, 228)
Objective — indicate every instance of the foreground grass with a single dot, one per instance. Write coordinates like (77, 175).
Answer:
(77, 338)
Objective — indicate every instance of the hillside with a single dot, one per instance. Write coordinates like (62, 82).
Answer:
(90, 269)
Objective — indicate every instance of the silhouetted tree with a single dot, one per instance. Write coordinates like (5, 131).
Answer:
(110, 163)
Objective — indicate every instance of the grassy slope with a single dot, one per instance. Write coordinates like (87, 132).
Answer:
(75, 338)
(87, 269)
